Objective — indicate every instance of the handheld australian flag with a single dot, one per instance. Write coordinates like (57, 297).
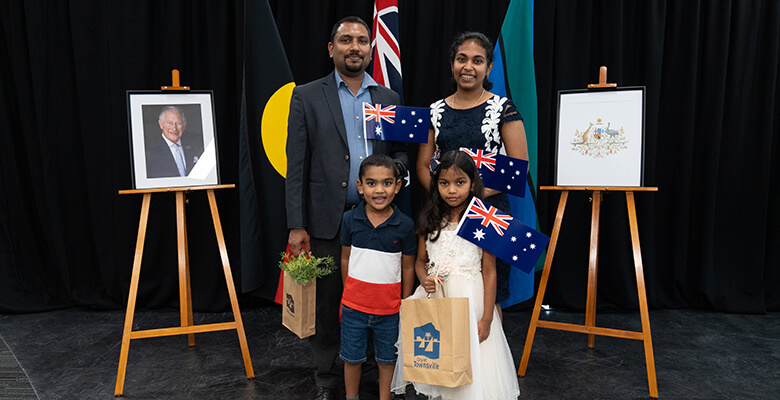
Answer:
(396, 123)
(500, 172)
(502, 235)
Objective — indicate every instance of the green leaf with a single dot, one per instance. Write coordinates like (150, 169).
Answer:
(306, 268)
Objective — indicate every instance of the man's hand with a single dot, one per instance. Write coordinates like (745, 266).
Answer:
(299, 241)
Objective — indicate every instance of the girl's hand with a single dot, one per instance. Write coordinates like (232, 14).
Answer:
(430, 283)
(483, 329)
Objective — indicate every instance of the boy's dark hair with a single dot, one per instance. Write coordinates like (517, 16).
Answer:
(377, 160)
(483, 41)
(350, 19)
(435, 209)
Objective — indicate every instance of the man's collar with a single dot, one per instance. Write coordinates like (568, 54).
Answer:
(368, 81)
(169, 142)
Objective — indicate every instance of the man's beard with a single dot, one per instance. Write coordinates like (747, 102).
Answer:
(353, 67)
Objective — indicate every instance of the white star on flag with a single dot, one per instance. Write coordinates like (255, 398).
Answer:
(514, 238)
(514, 258)
(528, 234)
(478, 234)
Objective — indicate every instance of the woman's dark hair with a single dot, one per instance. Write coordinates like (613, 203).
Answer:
(483, 41)
(435, 209)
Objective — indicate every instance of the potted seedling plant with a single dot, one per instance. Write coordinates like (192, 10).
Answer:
(300, 290)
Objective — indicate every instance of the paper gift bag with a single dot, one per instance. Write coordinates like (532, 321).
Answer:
(435, 341)
(299, 309)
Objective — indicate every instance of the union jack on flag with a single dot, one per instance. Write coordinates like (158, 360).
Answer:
(509, 239)
(488, 216)
(481, 157)
(376, 113)
(386, 53)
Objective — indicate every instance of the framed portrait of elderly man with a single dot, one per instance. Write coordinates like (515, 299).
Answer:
(600, 138)
(172, 139)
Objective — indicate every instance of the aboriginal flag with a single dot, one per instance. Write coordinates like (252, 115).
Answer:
(267, 89)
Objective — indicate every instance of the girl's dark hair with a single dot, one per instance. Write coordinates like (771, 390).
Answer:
(483, 41)
(435, 209)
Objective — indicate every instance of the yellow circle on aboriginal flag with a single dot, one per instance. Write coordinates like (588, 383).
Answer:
(274, 127)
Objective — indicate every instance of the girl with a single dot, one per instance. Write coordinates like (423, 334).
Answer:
(464, 270)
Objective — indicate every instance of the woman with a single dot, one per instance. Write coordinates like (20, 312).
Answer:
(475, 118)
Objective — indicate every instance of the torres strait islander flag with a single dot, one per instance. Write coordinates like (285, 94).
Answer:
(502, 235)
(513, 76)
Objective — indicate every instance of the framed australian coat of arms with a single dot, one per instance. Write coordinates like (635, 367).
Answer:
(600, 137)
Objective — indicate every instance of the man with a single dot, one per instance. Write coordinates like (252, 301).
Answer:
(166, 156)
(325, 146)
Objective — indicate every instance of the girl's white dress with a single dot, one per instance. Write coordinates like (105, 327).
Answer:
(492, 367)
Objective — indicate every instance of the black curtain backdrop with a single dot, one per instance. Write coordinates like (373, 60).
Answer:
(712, 135)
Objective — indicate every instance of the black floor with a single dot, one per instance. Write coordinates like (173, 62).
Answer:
(73, 354)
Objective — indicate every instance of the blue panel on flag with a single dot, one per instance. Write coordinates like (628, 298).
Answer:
(503, 173)
(502, 235)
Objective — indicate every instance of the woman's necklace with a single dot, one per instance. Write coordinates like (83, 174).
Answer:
(475, 103)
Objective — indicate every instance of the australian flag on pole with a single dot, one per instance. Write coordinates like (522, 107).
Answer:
(396, 123)
(386, 55)
(502, 235)
(500, 172)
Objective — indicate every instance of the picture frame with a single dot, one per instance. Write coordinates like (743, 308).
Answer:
(158, 135)
(600, 137)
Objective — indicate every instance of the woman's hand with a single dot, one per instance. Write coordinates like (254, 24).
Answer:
(483, 329)
(430, 283)
(490, 192)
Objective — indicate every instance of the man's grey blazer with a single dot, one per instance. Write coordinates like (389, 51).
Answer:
(318, 156)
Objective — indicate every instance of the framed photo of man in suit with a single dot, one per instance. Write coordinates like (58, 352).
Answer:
(172, 139)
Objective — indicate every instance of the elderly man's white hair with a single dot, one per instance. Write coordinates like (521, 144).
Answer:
(172, 108)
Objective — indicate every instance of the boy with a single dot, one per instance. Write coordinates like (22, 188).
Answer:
(378, 247)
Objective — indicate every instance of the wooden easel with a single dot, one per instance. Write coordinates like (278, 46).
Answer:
(185, 295)
(590, 306)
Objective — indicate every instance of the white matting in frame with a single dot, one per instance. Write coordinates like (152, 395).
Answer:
(600, 139)
(157, 120)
